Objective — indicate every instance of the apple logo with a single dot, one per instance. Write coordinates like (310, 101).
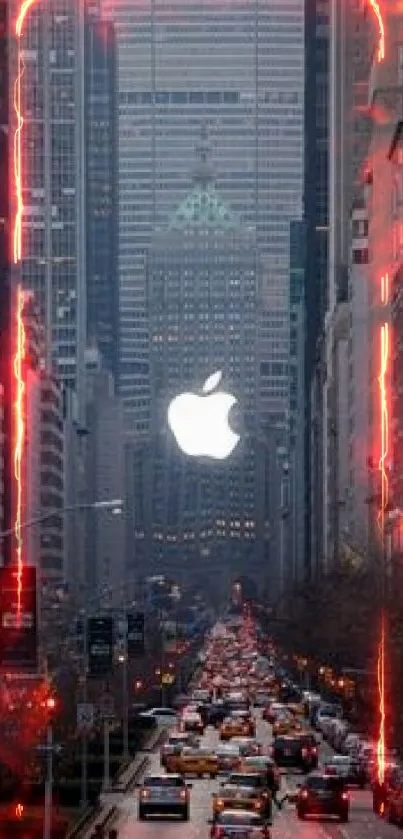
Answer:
(200, 424)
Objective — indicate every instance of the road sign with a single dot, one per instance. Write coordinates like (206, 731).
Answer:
(18, 619)
(100, 645)
(85, 715)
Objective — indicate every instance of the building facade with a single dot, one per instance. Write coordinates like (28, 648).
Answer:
(206, 517)
(316, 216)
(105, 555)
(352, 28)
(53, 224)
(5, 287)
(237, 67)
(101, 192)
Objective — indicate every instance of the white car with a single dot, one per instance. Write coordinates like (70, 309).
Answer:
(192, 721)
(162, 716)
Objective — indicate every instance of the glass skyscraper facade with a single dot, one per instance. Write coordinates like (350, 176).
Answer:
(101, 193)
(53, 235)
(238, 68)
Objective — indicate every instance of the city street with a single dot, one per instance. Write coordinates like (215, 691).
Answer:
(363, 823)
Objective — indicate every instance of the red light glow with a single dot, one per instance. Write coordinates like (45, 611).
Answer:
(383, 407)
(381, 692)
(19, 810)
(19, 435)
(376, 8)
(17, 151)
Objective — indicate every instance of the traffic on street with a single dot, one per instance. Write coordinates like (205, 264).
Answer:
(248, 754)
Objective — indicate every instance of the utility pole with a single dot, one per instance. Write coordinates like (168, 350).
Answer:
(47, 818)
(84, 743)
(106, 783)
(125, 690)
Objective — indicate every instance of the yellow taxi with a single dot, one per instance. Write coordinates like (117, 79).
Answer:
(190, 761)
(231, 797)
(296, 708)
(285, 725)
(236, 726)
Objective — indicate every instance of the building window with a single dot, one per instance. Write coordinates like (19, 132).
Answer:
(360, 256)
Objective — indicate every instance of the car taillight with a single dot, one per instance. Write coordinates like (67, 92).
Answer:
(304, 793)
(314, 750)
(219, 802)
(257, 805)
(144, 793)
(304, 752)
(345, 796)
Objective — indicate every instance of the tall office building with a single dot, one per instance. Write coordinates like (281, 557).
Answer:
(238, 67)
(5, 279)
(52, 141)
(206, 516)
(316, 214)
(351, 48)
(100, 192)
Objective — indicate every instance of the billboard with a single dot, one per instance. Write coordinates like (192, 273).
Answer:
(135, 634)
(100, 645)
(18, 619)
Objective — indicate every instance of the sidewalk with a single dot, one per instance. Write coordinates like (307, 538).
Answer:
(109, 801)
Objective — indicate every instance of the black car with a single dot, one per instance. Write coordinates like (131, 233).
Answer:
(323, 795)
(350, 769)
(216, 713)
(296, 750)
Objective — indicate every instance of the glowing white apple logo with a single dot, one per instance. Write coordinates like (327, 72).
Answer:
(200, 424)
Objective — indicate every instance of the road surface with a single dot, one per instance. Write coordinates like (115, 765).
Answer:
(363, 824)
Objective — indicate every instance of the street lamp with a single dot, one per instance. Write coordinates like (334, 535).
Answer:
(115, 505)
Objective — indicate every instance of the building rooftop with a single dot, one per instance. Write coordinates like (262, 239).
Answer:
(203, 207)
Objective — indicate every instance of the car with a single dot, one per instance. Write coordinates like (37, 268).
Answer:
(233, 727)
(192, 721)
(232, 797)
(161, 716)
(228, 757)
(164, 795)
(175, 743)
(350, 769)
(247, 746)
(323, 795)
(216, 713)
(190, 761)
(296, 750)
(264, 764)
(252, 779)
(239, 823)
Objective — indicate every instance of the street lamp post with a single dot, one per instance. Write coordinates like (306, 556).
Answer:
(84, 743)
(115, 505)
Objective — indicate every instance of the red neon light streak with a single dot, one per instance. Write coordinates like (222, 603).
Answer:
(376, 8)
(19, 437)
(383, 408)
(17, 151)
(384, 448)
(382, 715)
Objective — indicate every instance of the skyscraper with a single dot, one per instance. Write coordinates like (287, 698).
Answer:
(238, 67)
(5, 279)
(205, 516)
(100, 193)
(52, 141)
